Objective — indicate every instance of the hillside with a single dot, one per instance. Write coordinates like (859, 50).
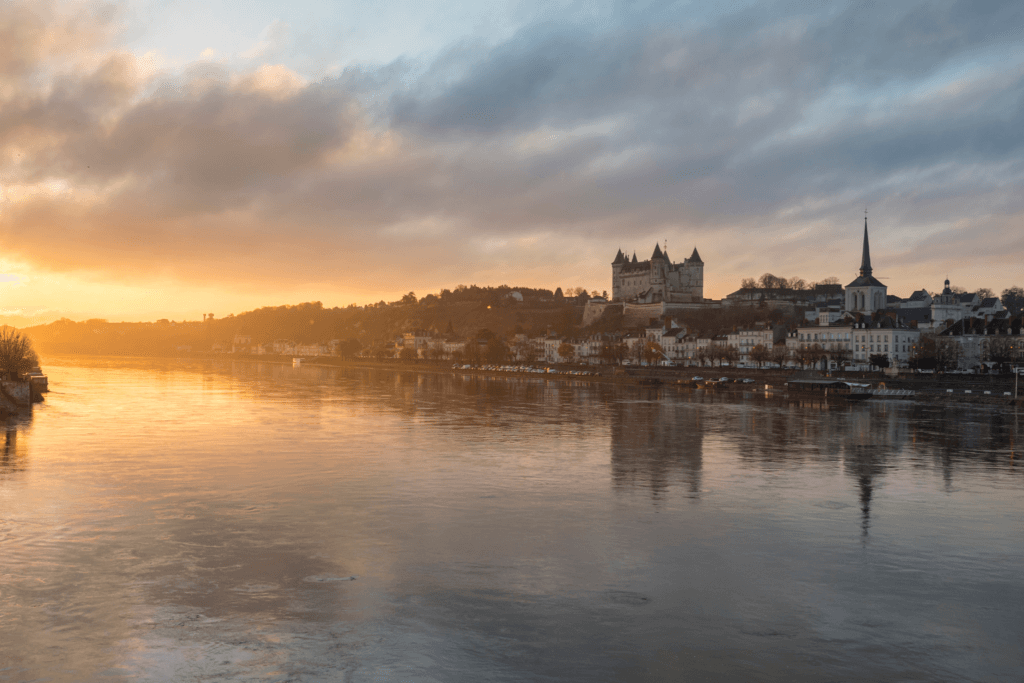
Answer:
(462, 313)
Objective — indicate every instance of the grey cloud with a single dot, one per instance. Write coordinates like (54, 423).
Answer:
(581, 133)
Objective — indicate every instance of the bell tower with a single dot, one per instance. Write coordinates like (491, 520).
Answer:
(865, 294)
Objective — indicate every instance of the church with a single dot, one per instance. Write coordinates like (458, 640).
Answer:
(865, 294)
(658, 280)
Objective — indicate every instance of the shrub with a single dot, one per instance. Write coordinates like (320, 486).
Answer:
(16, 353)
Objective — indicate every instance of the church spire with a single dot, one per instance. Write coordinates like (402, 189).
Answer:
(865, 259)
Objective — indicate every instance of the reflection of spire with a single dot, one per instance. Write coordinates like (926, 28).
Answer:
(866, 486)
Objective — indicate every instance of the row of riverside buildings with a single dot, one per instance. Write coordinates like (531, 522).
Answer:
(855, 327)
(844, 327)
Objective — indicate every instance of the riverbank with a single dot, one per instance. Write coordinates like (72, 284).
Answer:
(930, 388)
(940, 388)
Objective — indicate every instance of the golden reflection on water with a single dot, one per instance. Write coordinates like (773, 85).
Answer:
(167, 520)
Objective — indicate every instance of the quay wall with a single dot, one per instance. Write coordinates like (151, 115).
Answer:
(15, 394)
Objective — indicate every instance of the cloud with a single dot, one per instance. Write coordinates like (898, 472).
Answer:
(764, 130)
(273, 38)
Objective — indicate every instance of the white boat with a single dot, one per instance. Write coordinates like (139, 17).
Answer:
(296, 362)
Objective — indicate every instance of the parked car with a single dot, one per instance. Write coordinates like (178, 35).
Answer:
(698, 378)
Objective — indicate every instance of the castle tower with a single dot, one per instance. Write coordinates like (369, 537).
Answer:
(865, 294)
(696, 266)
(659, 265)
(620, 260)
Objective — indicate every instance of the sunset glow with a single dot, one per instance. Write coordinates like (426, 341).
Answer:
(164, 158)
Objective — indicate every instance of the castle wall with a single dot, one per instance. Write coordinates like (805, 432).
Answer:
(594, 310)
(640, 314)
(680, 282)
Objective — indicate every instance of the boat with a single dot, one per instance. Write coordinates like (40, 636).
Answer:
(859, 391)
(296, 362)
(828, 386)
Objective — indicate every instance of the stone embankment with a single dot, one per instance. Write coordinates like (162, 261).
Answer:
(15, 395)
(939, 387)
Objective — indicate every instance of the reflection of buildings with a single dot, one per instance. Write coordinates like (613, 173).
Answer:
(863, 439)
(656, 445)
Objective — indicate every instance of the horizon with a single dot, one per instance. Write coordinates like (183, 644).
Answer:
(161, 160)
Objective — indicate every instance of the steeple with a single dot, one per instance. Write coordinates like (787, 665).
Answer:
(657, 251)
(865, 259)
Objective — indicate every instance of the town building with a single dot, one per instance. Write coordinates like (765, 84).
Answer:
(976, 341)
(745, 340)
(886, 336)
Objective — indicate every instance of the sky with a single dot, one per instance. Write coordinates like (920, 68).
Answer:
(169, 158)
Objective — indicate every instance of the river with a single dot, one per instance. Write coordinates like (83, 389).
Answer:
(174, 520)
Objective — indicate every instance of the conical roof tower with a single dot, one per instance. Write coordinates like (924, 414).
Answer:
(865, 258)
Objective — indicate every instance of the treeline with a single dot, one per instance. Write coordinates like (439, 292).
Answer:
(770, 281)
(460, 313)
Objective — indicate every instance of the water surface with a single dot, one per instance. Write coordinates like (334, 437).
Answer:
(176, 520)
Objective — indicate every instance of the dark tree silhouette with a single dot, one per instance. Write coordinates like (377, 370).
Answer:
(16, 353)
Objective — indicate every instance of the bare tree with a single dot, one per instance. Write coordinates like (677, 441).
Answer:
(566, 352)
(780, 354)
(652, 352)
(1013, 300)
(613, 352)
(999, 350)
(797, 283)
(16, 353)
(759, 354)
(947, 353)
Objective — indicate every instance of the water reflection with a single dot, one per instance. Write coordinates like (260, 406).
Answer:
(194, 521)
(12, 459)
(655, 444)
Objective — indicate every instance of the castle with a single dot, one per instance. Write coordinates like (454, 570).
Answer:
(658, 280)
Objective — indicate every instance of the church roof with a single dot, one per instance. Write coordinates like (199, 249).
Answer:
(921, 314)
(865, 281)
(695, 257)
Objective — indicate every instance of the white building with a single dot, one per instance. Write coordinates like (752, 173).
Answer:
(744, 340)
